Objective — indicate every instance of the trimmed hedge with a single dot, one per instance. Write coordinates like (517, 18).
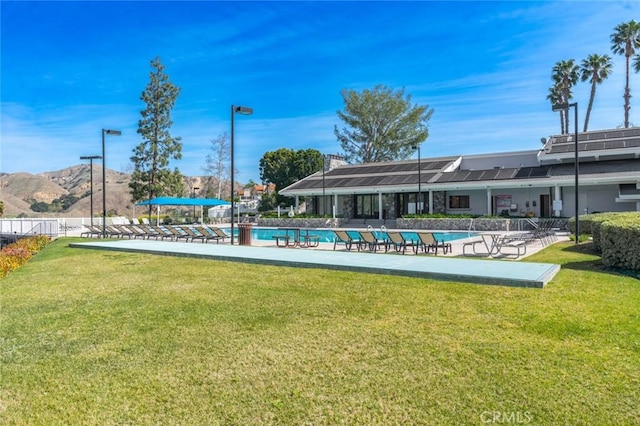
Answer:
(615, 235)
(590, 224)
(620, 242)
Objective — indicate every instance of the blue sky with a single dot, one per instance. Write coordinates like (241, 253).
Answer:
(69, 69)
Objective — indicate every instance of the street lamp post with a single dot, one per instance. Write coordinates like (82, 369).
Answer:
(564, 107)
(193, 195)
(419, 198)
(244, 111)
(104, 180)
(91, 158)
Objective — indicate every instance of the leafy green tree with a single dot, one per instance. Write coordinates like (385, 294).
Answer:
(151, 176)
(381, 125)
(62, 203)
(596, 68)
(286, 166)
(565, 74)
(624, 41)
(40, 207)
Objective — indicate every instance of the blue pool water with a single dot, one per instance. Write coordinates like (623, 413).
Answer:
(327, 235)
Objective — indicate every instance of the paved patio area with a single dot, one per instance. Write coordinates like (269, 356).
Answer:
(447, 268)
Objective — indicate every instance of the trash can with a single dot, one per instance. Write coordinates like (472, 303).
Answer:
(244, 234)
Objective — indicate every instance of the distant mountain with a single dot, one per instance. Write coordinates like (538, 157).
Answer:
(19, 191)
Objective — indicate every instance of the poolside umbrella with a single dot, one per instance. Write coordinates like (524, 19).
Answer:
(178, 201)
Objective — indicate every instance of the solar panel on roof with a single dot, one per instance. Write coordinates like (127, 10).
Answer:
(474, 175)
(558, 149)
(613, 144)
(539, 171)
(506, 174)
(632, 132)
(490, 174)
(598, 136)
(392, 180)
(341, 182)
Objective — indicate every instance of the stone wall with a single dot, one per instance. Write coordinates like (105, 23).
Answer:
(439, 202)
(451, 224)
(299, 222)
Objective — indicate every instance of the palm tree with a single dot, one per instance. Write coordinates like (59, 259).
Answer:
(555, 96)
(596, 68)
(624, 41)
(565, 74)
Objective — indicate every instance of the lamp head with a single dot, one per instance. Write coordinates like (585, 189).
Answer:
(91, 157)
(560, 107)
(113, 132)
(243, 110)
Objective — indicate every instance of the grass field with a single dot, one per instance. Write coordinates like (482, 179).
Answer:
(99, 338)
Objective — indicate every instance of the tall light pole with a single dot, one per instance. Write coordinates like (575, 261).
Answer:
(104, 180)
(91, 158)
(564, 107)
(244, 111)
(193, 195)
(419, 198)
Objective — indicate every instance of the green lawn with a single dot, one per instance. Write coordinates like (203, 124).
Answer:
(98, 337)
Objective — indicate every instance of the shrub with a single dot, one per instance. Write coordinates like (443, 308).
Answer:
(17, 254)
(620, 241)
(590, 224)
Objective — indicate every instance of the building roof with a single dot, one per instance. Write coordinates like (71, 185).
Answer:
(609, 154)
(601, 144)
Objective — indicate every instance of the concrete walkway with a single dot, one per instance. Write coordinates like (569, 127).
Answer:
(446, 268)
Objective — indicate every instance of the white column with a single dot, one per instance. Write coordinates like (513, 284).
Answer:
(556, 197)
(431, 201)
(334, 208)
(379, 205)
(489, 201)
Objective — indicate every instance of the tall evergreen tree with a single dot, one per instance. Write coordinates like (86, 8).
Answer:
(565, 74)
(624, 41)
(382, 125)
(596, 68)
(151, 176)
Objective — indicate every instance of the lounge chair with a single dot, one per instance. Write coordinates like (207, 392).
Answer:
(188, 233)
(219, 232)
(343, 237)
(178, 233)
(149, 231)
(136, 231)
(427, 242)
(163, 232)
(369, 241)
(112, 231)
(92, 231)
(209, 234)
(398, 242)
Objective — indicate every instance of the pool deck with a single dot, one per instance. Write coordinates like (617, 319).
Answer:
(445, 268)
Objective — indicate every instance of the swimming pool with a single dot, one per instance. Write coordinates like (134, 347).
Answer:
(327, 235)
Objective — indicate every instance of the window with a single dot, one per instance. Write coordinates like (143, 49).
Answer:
(458, 201)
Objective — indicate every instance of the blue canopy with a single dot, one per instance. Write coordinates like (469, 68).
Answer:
(176, 201)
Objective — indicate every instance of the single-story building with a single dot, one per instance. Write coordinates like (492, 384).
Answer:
(539, 183)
